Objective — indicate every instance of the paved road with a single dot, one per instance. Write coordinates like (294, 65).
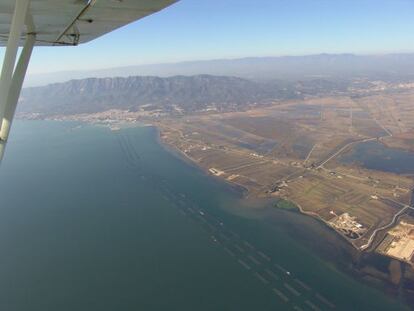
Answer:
(393, 221)
(343, 148)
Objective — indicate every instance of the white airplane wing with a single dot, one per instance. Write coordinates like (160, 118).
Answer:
(70, 22)
(29, 23)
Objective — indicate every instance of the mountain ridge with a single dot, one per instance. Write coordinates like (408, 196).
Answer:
(257, 68)
(187, 93)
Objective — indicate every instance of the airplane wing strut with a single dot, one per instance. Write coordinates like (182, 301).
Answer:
(11, 79)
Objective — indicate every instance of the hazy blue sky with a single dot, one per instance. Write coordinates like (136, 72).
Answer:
(207, 29)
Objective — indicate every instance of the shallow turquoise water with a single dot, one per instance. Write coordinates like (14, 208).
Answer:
(96, 220)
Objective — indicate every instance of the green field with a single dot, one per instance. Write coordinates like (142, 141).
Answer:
(285, 204)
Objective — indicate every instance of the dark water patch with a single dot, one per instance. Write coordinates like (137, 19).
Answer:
(374, 155)
(301, 150)
(302, 147)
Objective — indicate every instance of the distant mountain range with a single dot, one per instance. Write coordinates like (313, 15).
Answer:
(186, 93)
(390, 66)
(224, 84)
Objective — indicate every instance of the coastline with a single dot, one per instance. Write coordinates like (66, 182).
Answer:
(350, 264)
(242, 191)
(358, 264)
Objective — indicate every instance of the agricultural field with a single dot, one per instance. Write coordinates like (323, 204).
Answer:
(291, 150)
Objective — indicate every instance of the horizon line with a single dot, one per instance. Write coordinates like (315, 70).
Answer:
(219, 59)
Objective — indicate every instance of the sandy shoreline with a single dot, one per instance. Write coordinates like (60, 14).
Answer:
(240, 189)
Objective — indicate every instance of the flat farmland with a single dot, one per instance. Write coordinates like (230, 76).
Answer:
(290, 150)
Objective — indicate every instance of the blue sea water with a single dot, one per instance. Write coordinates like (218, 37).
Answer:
(92, 219)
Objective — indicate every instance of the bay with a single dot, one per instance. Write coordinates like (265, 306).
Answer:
(92, 219)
